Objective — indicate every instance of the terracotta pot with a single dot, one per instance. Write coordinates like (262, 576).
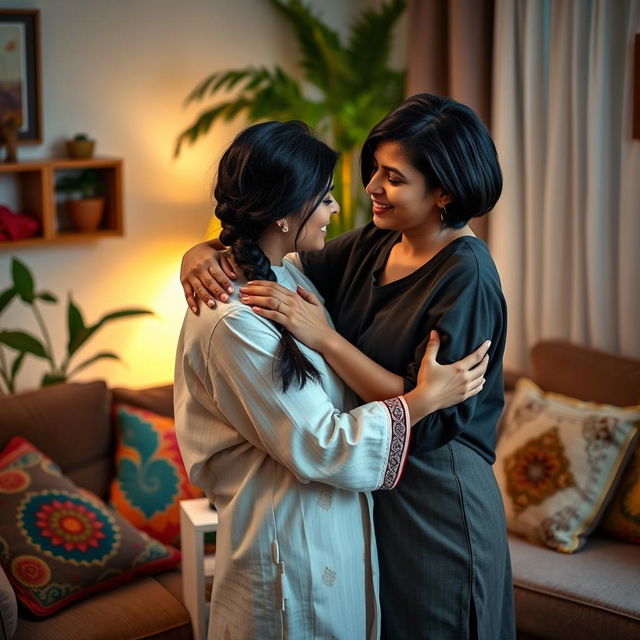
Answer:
(86, 214)
(80, 148)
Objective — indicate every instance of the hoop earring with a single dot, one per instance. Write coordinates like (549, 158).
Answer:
(443, 213)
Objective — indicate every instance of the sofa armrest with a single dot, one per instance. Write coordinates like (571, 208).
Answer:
(511, 376)
(8, 608)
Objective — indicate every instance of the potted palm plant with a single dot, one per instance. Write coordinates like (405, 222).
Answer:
(353, 88)
(85, 205)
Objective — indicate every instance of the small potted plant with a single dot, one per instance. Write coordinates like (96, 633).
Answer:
(85, 205)
(80, 146)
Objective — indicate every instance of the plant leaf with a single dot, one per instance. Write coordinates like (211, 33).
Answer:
(46, 296)
(6, 297)
(22, 280)
(370, 27)
(323, 56)
(52, 378)
(97, 356)
(22, 341)
(75, 325)
(15, 367)
(87, 332)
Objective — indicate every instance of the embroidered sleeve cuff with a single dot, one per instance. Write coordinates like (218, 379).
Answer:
(399, 443)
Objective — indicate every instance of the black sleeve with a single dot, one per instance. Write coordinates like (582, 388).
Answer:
(467, 310)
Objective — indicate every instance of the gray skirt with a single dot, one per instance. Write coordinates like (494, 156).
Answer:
(445, 571)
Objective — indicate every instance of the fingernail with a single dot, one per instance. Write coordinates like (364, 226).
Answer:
(244, 298)
(230, 290)
(243, 288)
(488, 343)
(211, 303)
(224, 297)
(194, 309)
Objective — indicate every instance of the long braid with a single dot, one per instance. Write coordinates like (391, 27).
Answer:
(240, 233)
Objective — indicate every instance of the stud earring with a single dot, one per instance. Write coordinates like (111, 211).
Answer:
(284, 227)
(443, 213)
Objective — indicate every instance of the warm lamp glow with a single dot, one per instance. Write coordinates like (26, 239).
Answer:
(214, 228)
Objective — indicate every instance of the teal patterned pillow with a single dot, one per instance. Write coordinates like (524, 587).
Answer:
(60, 543)
(150, 477)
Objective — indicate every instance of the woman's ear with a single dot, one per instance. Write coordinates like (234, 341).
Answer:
(442, 197)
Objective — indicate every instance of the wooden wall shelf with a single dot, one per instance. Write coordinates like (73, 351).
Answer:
(31, 186)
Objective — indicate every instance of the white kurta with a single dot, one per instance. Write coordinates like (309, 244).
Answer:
(295, 547)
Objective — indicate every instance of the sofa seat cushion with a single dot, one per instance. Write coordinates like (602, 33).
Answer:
(593, 594)
(140, 609)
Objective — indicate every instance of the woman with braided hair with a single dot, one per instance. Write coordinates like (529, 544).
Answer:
(429, 167)
(271, 433)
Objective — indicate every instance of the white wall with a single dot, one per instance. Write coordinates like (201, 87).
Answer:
(119, 70)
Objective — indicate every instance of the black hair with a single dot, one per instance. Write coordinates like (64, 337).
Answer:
(271, 170)
(448, 143)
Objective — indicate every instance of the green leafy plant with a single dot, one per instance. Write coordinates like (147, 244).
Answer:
(86, 184)
(353, 88)
(24, 343)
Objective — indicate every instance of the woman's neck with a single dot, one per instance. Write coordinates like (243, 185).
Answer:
(275, 245)
(424, 242)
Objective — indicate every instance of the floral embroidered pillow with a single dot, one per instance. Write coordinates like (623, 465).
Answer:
(622, 518)
(558, 461)
(150, 477)
(60, 543)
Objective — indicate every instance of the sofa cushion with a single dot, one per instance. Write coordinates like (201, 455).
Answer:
(8, 608)
(53, 417)
(142, 609)
(557, 462)
(150, 476)
(622, 518)
(591, 595)
(59, 543)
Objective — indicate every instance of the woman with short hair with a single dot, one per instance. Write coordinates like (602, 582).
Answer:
(269, 431)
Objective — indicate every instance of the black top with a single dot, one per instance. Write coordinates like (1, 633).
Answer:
(457, 293)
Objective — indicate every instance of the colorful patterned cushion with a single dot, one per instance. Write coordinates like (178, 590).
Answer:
(557, 462)
(150, 476)
(622, 518)
(60, 543)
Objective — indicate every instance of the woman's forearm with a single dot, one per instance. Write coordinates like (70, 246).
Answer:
(367, 378)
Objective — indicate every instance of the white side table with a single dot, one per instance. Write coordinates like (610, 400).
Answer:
(196, 519)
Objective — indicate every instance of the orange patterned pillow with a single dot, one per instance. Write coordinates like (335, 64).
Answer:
(150, 476)
(622, 518)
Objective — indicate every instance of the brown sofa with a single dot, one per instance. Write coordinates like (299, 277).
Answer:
(595, 593)
(71, 423)
(592, 594)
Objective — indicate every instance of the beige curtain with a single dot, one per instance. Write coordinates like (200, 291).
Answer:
(566, 232)
(449, 48)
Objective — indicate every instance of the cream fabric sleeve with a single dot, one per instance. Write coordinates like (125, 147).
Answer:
(363, 449)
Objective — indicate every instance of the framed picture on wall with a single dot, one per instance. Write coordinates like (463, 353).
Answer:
(20, 104)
